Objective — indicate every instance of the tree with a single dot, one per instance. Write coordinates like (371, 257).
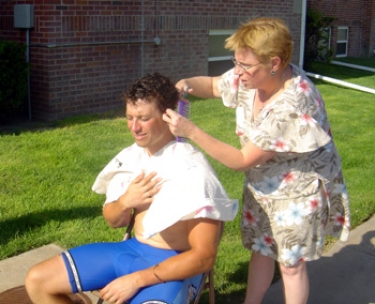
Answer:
(317, 38)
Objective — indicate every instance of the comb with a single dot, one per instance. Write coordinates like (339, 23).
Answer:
(183, 108)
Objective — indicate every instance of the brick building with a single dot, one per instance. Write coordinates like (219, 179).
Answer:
(83, 53)
(353, 30)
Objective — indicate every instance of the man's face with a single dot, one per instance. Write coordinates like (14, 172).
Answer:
(149, 129)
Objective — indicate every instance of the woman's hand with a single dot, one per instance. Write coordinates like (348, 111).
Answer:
(178, 125)
(183, 87)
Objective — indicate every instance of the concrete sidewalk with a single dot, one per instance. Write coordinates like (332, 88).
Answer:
(344, 275)
(13, 270)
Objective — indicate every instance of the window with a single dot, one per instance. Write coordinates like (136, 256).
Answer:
(342, 41)
(219, 58)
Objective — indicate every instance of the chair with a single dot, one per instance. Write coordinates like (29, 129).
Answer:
(207, 278)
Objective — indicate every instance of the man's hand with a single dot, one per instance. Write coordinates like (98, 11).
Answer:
(138, 195)
(141, 191)
(120, 289)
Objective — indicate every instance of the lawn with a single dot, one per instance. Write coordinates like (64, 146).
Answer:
(47, 172)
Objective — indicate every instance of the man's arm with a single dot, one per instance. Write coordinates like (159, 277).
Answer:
(204, 237)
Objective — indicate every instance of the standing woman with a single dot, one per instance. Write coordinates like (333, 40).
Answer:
(294, 192)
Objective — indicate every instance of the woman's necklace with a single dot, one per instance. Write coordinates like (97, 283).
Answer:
(264, 103)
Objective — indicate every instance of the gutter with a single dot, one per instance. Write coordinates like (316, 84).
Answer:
(302, 36)
(155, 41)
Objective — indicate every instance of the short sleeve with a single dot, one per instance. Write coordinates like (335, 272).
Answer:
(228, 87)
(292, 124)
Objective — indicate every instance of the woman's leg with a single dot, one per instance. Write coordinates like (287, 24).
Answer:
(48, 282)
(261, 271)
(296, 283)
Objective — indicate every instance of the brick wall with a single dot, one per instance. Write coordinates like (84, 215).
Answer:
(359, 16)
(84, 53)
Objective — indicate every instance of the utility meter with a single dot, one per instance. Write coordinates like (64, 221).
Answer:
(23, 16)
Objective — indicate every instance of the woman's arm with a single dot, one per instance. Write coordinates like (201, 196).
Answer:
(249, 156)
(201, 86)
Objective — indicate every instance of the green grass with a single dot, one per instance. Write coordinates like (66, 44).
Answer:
(47, 172)
(359, 77)
(365, 61)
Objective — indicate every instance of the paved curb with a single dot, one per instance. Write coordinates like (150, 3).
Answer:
(13, 270)
(344, 275)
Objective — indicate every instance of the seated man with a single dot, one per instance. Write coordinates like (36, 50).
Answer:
(179, 206)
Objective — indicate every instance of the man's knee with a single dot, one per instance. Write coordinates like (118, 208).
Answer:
(33, 280)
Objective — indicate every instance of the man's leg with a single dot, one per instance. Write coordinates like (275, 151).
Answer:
(261, 271)
(83, 268)
(48, 282)
(296, 283)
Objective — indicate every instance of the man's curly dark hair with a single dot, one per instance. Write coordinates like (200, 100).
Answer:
(153, 88)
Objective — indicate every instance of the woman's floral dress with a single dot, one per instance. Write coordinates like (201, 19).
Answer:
(291, 201)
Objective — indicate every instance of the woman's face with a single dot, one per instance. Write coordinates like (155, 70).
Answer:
(252, 73)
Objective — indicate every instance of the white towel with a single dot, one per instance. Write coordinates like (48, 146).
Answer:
(189, 189)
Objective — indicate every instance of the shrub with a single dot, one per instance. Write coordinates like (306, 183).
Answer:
(317, 38)
(13, 77)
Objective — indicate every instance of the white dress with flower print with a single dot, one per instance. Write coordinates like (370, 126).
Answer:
(293, 200)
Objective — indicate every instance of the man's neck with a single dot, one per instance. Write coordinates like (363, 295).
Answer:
(152, 151)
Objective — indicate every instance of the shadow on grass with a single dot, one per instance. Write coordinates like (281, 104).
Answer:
(239, 277)
(20, 225)
(19, 124)
(338, 72)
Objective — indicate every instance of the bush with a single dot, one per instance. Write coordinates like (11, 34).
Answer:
(317, 38)
(13, 77)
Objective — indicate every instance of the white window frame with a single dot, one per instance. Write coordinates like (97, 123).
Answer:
(346, 41)
(223, 32)
(220, 33)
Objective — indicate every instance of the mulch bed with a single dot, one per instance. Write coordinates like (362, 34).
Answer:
(18, 295)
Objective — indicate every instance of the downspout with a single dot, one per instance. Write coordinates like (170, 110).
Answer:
(142, 36)
(303, 30)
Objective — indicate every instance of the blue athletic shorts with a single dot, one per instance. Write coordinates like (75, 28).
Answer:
(93, 266)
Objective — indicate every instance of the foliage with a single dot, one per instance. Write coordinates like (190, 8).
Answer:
(13, 77)
(316, 38)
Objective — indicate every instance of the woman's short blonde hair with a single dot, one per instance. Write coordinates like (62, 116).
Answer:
(267, 38)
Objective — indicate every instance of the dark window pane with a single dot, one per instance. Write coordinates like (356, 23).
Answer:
(341, 48)
(216, 68)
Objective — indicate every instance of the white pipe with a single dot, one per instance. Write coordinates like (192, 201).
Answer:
(354, 66)
(28, 74)
(142, 36)
(342, 83)
(302, 38)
